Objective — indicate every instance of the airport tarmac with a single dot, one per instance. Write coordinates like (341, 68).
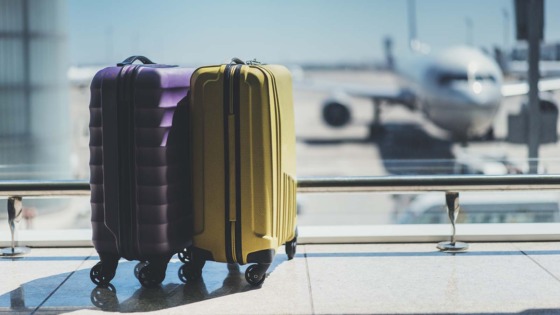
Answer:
(408, 145)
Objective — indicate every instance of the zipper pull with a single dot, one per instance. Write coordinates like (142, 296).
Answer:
(254, 62)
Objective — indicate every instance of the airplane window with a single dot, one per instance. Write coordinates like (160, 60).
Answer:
(448, 78)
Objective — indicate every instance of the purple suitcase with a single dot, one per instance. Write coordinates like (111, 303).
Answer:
(138, 163)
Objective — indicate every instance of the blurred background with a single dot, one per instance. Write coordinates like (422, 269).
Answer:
(342, 54)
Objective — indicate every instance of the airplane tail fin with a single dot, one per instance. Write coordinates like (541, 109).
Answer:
(415, 44)
(389, 57)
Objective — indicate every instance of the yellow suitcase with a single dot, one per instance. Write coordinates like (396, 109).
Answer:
(243, 167)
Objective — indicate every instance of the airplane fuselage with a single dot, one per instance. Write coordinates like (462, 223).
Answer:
(459, 89)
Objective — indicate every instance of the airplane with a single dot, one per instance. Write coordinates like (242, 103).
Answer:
(459, 89)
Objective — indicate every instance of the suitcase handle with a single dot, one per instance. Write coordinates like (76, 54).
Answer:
(130, 60)
(237, 61)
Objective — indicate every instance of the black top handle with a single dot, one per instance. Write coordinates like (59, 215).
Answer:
(130, 60)
(237, 61)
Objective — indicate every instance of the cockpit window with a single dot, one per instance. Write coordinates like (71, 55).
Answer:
(448, 78)
(485, 77)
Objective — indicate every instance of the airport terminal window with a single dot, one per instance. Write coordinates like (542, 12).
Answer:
(352, 53)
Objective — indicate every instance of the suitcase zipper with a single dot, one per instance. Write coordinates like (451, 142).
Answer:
(125, 116)
(232, 163)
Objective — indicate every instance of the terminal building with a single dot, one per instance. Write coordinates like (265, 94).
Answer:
(34, 125)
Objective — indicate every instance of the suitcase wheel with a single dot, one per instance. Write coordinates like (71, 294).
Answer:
(255, 274)
(151, 275)
(185, 255)
(291, 247)
(104, 297)
(139, 266)
(101, 274)
(189, 272)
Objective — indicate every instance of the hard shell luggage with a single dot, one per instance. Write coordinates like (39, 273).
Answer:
(243, 168)
(139, 174)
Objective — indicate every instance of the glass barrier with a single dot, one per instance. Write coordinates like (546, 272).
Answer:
(428, 208)
(339, 209)
(50, 214)
(361, 109)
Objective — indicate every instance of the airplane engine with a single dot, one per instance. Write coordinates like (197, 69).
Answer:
(336, 112)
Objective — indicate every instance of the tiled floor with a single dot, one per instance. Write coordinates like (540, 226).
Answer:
(322, 279)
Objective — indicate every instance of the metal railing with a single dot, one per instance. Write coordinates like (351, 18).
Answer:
(453, 183)
(428, 183)
(44, 188)
(450, 185)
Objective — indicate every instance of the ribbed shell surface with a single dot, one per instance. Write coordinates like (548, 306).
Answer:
(160, 216)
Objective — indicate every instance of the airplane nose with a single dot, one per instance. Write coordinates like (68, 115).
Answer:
(477, 87)
(483, 95)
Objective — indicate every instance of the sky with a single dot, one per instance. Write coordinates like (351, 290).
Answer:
(189, 32)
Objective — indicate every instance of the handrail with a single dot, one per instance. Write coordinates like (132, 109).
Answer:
(449, 184)
(421, 183)
(44, 188)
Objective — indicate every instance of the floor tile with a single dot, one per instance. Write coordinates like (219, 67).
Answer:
(322, 279)
(415, 278)
(544, 254)
(29, 280)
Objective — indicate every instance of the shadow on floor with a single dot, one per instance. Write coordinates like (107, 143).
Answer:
(172, 295)
(74, 290)
(405, 148)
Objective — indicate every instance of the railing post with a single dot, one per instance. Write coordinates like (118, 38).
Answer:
(453, 208)
(15, 211)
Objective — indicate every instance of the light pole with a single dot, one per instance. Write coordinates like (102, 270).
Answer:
(535, 34)
(470, 36)
(505, 14)
(412, 22)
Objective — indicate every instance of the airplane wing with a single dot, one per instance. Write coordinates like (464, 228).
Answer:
(522, 88)
(390, 94)
(546, 68)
